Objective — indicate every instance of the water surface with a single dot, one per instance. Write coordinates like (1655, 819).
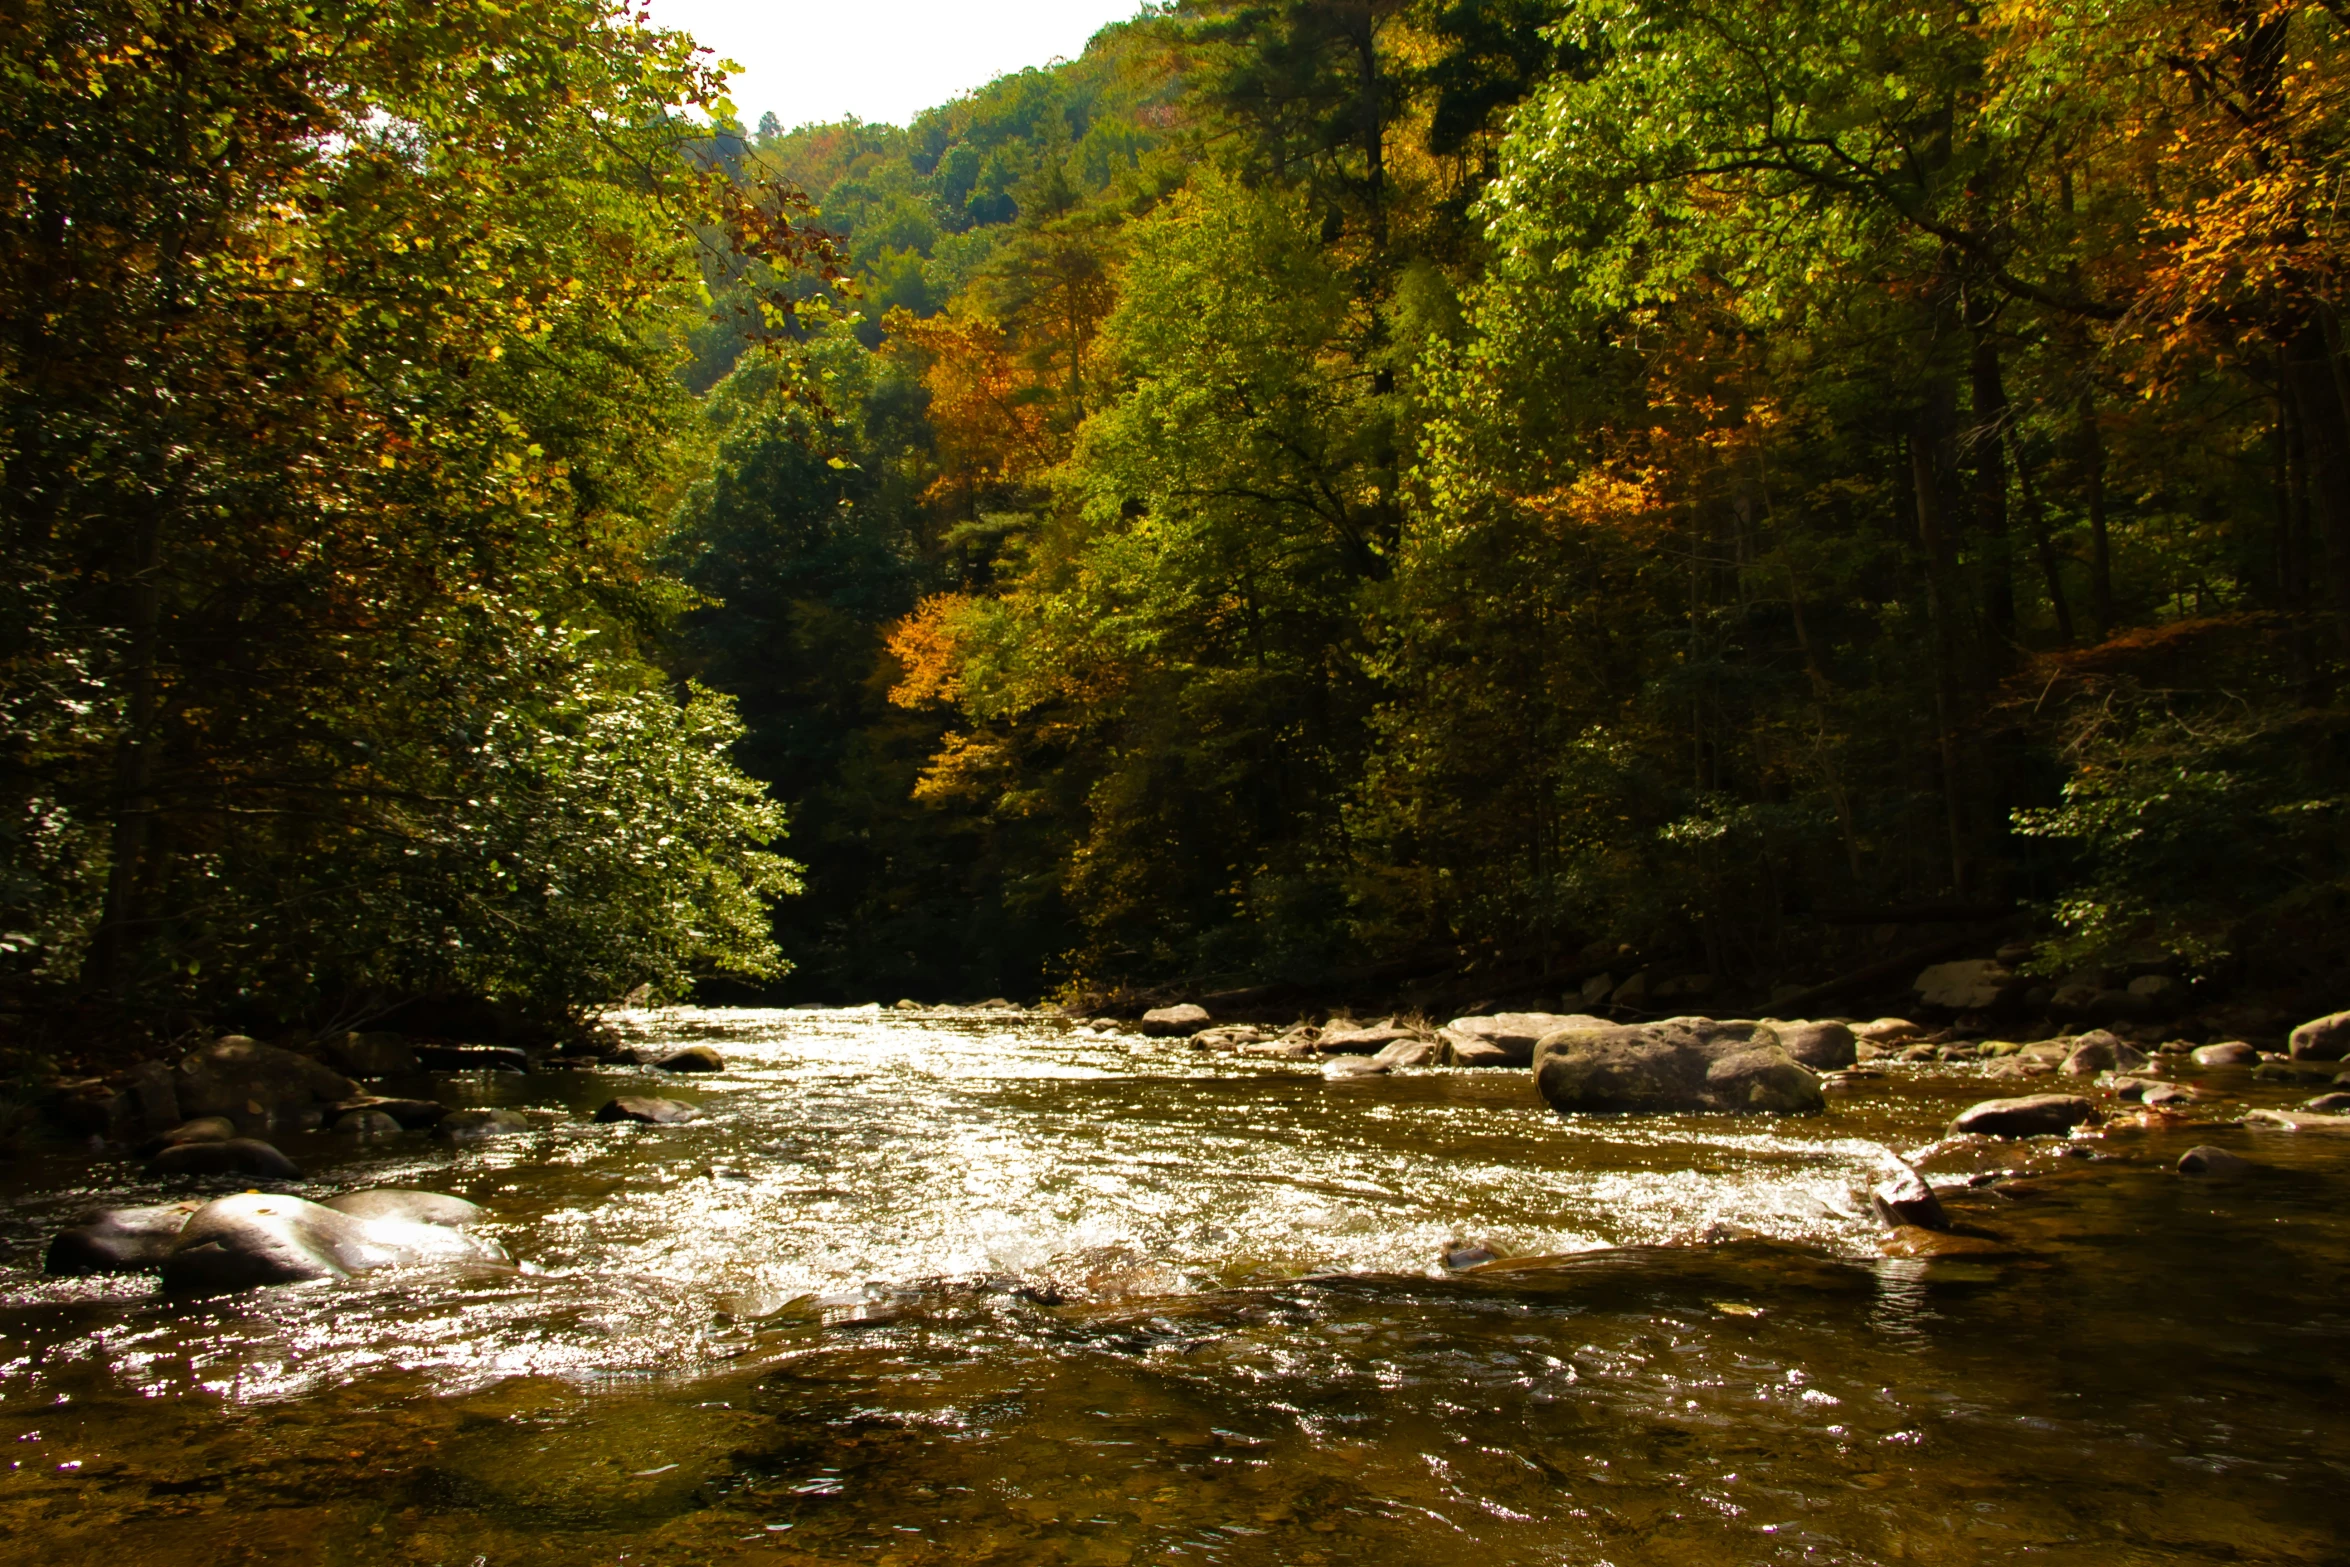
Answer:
(975, 1287)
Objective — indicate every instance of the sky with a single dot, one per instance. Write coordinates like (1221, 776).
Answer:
(880, 60)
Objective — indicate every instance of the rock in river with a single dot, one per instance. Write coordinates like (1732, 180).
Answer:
(255, 1238)
(648, 1110)
(415, 1114)
(258, 1086)
(2322, 1039)
(368, 1055)
(2328, 1104)
(693, 1058)
(1824, 1047)
(367, 1126)
(2217, 1163)
(1361, 1041)
(1174, 1022)
(234, 1156)
(2233, 1052)
(1506, 1038)
(392, 1202)
(2034, 1115)
(1681, 1064)
(476, 1126)
(1905, 1200)
(118, 1240)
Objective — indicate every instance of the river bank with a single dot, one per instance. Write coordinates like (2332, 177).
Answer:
(987, 1286)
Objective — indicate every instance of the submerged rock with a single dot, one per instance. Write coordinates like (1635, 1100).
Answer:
(1353, 1066)
(117, 1240)
(2034, 1115)
(693, 1058)
(254, 1238)
(2299, 1121)
(1682, 1064)
(233, 1156)
(1177, 1022)
(2328, 1104)
(648, 1110)
(414, 1114)
(1914, 1241)
(477, 1126)
(368, 1126)
(204, 1129)
(2214, 1162)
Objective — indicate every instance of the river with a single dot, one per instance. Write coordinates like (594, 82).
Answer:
(974, 1287)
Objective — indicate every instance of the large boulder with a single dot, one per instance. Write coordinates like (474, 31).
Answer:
(1179, 1022)
(258, 1086)
(1824, 1047)
(118, 1240)
(2033, 1115)
(254, 1238)
(2322, 1039)
(1506, 1038)
(1681, 1064)
(1975, 985)
(368, 1055)
(247, 1156)
(693, 1058)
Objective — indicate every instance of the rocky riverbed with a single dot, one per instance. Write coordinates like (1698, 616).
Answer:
(921, 1285)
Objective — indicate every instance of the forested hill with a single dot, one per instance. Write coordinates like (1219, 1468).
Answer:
(1478, 493)
(1455, 488)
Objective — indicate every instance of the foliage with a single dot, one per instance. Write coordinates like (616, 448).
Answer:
(339, 388)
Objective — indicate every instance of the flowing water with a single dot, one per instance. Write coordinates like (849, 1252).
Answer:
(969, 1287)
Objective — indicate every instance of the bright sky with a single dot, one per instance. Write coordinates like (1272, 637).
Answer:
(881, 60)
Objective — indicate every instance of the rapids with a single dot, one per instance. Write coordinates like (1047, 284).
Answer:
(973, 1287)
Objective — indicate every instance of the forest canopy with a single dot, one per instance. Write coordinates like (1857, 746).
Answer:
(1412, 487)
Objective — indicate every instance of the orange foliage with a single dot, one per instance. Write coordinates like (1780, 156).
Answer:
(929, 652)
(991, 414)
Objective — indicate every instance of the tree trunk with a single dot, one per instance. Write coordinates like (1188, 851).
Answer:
(2093, 492)
(1985, 443)
(1928, 448)
(2315, 382)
